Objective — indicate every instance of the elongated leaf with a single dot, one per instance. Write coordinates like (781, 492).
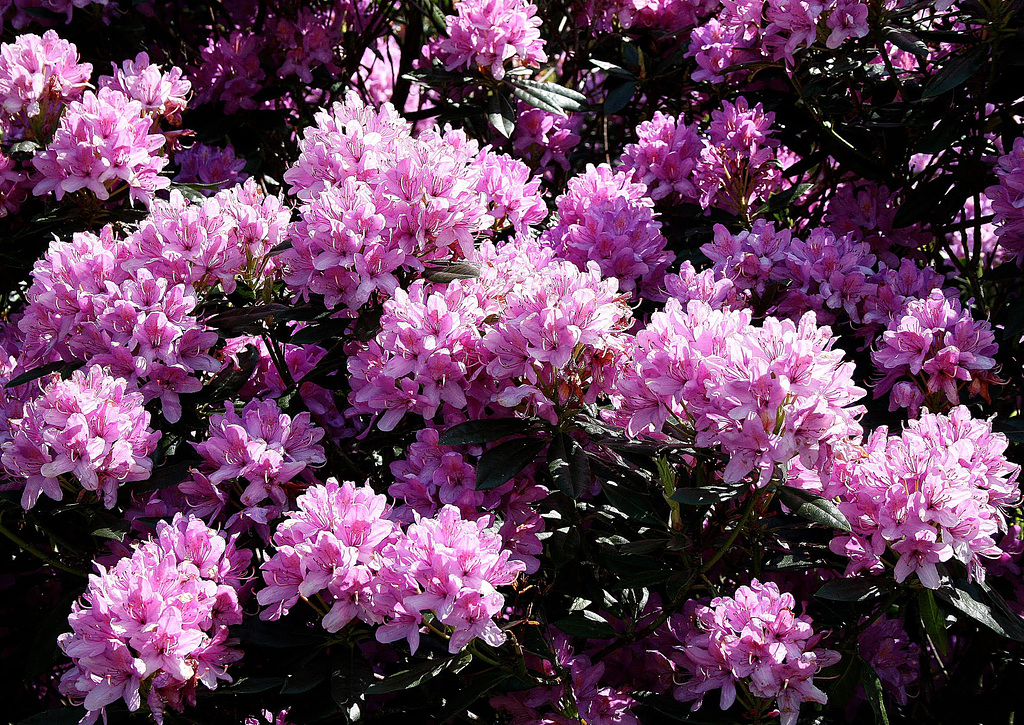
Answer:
(905, 40)
(619, 97)
(483, 431)
(569, 466)
(36, 373)
(709, 495)
(450, 272)
(252, 685)
(873, 689)
(351, 674)
(969, 598)
(548, 96)
(418, 674)
(474, 690)
(813, 507)
(60, 716)
(227, 383)
(934, 622)
(245, 319)
(502, 114)
(859, 589)
(501, 463)
(954, 73)
(585, 627)
(306, 677)
(320, 331)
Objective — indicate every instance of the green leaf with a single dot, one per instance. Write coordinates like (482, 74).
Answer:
(586, 627)
(954, 73)
(569, 466)
(36, 373)
(709, 495)
(619, 97)
(934, 622)
(227, 383)
(859, 589)
(501, 463)
(476, 688)
(449, 272)
(245, 320)
(351, 674)
(418, 674)
(306, 677)
(252, 685)
(320, 331)
(107, 532)
(483, 431)
(813, 507)
(969, 598)
(549, 97)
(502, 114)
(845, 686)
(274, 635)
(905, 40)
(873, 689)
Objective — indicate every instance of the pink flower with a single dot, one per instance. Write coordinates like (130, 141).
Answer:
(92, 426)
(486, 34)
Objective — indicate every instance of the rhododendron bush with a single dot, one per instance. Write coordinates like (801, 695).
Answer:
(609, 362)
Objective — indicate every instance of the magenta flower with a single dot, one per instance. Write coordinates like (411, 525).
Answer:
(156, 622)
(91, 426)
(486, 34)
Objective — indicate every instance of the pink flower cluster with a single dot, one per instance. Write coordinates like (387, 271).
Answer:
(487, 34)
(605, 217)
(230, 71)
(937, 492)
(752, 640)
(264, 456)
(378, 202)
(543, 138)
(833, 276)
(665, 157)
(38, 76)
(432, 476)
(1008, 199)
(92, 426)
(156, 624)
(763, 395)
(103, 144)
(340, 548)
(162, 95)
(933, 351)
(745, 31)
(531, 333)
(218, 240)
(84, 305)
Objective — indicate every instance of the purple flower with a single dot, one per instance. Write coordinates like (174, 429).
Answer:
(1008, 199)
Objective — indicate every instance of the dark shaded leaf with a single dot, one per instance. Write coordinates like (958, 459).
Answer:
(228, 382)
(873, 690)
(351, 674)
(274, 635)
(246, 320)
(586, 628)
(859, 589)
(251, 685)
(306, 677)
(813, 507)
(501, 463)
(569, 466)
(709, 495)
(934, 622)
(970, 599)
(476, 688)
(318, 332)
(549, 97)
(907, 41)
(845, 686)
(449, 272)
(418, 674)
(59, 716)
(483, 431)
(954, 72)
(502, 114)
(1012, 428)
(619, 97)
(64, 368)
